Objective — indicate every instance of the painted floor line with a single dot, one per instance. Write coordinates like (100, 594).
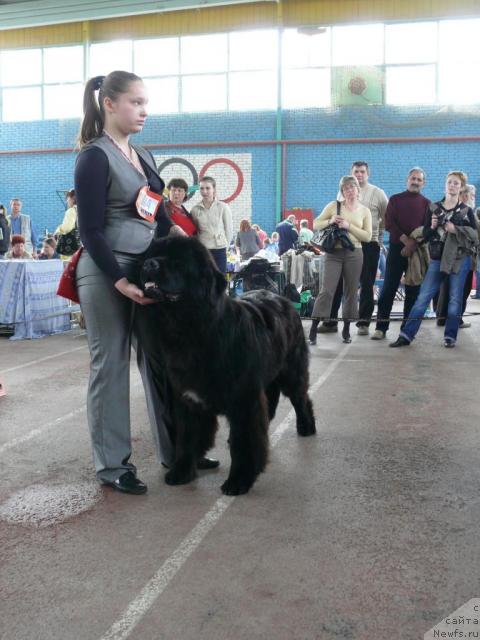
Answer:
(37, 432)
(49, 425)
(32, 362)
(135, 611)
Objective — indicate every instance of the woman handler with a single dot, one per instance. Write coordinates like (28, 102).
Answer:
(119, 213)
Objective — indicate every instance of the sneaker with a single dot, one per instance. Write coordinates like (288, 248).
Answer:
(325, 328)
(449, 343)
(378, 335)
(363, 331)
(464, 325)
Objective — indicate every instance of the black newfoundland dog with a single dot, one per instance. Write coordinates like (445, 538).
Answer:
(224, 357)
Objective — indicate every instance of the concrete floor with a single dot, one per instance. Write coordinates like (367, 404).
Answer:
(368, 531)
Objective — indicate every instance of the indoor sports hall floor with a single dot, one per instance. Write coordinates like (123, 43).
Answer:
(368, 531)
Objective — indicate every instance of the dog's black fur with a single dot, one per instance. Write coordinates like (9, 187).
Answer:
(224, 357)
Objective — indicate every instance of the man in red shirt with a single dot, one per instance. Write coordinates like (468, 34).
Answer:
(405, 212)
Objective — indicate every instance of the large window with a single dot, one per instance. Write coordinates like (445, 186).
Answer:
(413, 63)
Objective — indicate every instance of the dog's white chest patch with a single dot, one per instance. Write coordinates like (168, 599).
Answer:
(192, 396)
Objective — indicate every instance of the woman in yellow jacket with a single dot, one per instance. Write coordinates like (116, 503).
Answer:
(356, 219)
(69, 219)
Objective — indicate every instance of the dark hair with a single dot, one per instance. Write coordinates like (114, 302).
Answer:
(245, 225)
(70, 193)
(3, 208)
(178, 183)
(360, 163)
(110, 86)
(210, 180)
(51, 243)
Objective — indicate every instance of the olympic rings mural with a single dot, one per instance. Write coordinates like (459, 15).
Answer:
(220, 165)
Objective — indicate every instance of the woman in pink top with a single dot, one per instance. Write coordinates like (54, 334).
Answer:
(261, 233)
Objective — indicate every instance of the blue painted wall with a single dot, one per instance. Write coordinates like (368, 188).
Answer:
(312, 171)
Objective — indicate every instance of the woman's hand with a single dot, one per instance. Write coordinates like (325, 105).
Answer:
(343, 224)
(336, 220)
(434, 221)
(450, 227)
(175, 230)
(130, 290)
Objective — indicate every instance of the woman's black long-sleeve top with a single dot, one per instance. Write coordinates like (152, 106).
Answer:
(91, 178)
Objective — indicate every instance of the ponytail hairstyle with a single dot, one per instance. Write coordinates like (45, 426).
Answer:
(111, 86)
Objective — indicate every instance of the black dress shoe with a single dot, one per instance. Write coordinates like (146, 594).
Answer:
(207, 463)
(399, 342)
(127, 483)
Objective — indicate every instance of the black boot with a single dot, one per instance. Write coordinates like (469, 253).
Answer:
(346, 332)
(312, 336)
(400, 342)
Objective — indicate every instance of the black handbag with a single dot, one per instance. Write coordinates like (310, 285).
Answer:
(327, 239)
(68, 243)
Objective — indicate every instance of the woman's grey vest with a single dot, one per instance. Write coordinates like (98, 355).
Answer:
(124, 230)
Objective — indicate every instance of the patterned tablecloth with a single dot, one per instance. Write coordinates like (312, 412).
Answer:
(28, 298)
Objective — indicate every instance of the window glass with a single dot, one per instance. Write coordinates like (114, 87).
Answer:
(156, 57)
(303, 88)
(63, 101)
(253, 90)
(21, 67)
(204, 54)
(411, 85)
(63, 64)
(357, 45)
(204, 93)
(22, 104)
(251, 50)
(110, 56)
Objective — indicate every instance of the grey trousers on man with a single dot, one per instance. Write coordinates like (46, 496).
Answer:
(113, 323)
(346, 264)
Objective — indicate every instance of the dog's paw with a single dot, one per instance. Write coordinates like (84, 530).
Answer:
(180, 476)
(306, 430)
(236, 486)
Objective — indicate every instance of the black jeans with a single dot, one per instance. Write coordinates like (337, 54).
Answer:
(371, 253)
(395, 268)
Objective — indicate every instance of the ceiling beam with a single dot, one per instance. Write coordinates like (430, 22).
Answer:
(35, 13)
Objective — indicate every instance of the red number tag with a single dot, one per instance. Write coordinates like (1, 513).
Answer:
(147, 204)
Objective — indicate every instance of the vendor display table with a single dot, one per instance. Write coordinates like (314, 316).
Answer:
(28, 298)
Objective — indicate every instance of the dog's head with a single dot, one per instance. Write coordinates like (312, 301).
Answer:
(181, 269)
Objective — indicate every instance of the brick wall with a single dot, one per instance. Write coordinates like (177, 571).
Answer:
(312, 171)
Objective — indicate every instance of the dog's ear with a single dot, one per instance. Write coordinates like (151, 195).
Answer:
(220, 282)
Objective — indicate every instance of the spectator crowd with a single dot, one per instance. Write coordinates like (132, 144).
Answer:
(428, 249)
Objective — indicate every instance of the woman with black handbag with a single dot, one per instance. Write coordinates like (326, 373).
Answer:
(342, 262)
